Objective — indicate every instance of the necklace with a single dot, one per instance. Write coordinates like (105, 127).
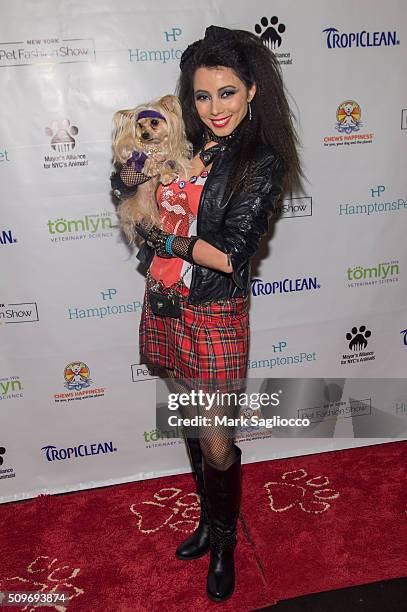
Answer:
(211, 136)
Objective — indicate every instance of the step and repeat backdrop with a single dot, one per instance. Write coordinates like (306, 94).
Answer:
(328, 292)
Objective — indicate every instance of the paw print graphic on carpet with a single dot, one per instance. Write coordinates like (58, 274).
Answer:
(295, 488)
(46, 575)
(358, 337)
(268, 33)
(170, 506)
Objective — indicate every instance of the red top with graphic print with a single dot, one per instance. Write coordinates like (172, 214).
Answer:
(178, 206)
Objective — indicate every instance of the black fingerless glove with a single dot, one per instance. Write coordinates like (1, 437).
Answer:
(168, 245)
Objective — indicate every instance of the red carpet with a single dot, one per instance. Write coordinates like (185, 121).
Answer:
(309, 524)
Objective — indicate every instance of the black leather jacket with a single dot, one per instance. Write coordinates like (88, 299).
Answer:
(234, 224)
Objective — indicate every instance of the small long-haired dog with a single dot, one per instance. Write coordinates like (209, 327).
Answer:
(150, 146)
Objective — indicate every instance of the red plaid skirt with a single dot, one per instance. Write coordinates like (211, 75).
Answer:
(207, 342)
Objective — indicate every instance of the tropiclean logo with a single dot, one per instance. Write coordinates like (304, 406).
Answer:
(47, 51)
(287, 285)
(53, 453)
(343, 40)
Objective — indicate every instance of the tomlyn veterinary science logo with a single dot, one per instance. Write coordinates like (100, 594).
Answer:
(348, 124)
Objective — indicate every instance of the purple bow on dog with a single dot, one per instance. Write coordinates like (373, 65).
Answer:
(137, 160)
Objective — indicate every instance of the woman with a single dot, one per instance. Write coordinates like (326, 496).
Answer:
(237, 118)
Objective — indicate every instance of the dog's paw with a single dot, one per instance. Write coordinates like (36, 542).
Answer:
(167, 178)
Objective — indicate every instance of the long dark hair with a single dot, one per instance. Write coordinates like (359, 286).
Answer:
(272, 120)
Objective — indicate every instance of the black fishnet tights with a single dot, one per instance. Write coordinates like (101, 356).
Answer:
(216, 441)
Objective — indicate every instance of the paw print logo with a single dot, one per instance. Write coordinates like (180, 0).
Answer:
(62, 133)
(170, 506)
(46, 575)
(2, 452)
(295, 488)
(268, 33)
(358, 338)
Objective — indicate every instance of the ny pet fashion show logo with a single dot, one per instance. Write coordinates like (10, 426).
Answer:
(374, 206)
(11, 387)
(271, 31)
(169, 53)
(52, 453)
(87, 227)
(108, 309)
(62, 140)
(286, 285)
(348, 124)
(379, 274)
(21, 312)
(358, 339)
(7, 237)
(347, 40)
(47, 51)
(5, 472)
(78, 382)
(293, 207)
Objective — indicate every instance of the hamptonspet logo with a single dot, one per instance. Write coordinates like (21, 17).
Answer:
(62, 141)
(286, 285)
(108, 310)
(47, 51)
(22, 312)
(7, 237)
(11, 387)
(379, 274)
(4, 156)
(77, 381)
(371, 208)
(163, 55)
(358, 339)
(347, 40)
(348, 124)
(95, 225)
(52, 453)
(271, 32)
(279, 360)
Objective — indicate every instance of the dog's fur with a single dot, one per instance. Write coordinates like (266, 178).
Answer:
(168, 155)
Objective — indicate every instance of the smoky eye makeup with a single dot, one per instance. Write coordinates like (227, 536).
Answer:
(223, 92)
(200, 95)
(228, 91)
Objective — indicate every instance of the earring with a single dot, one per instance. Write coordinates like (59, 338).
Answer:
(250, 112)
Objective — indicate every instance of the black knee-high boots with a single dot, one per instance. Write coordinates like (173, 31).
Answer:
(222, 489)
(197, 544)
